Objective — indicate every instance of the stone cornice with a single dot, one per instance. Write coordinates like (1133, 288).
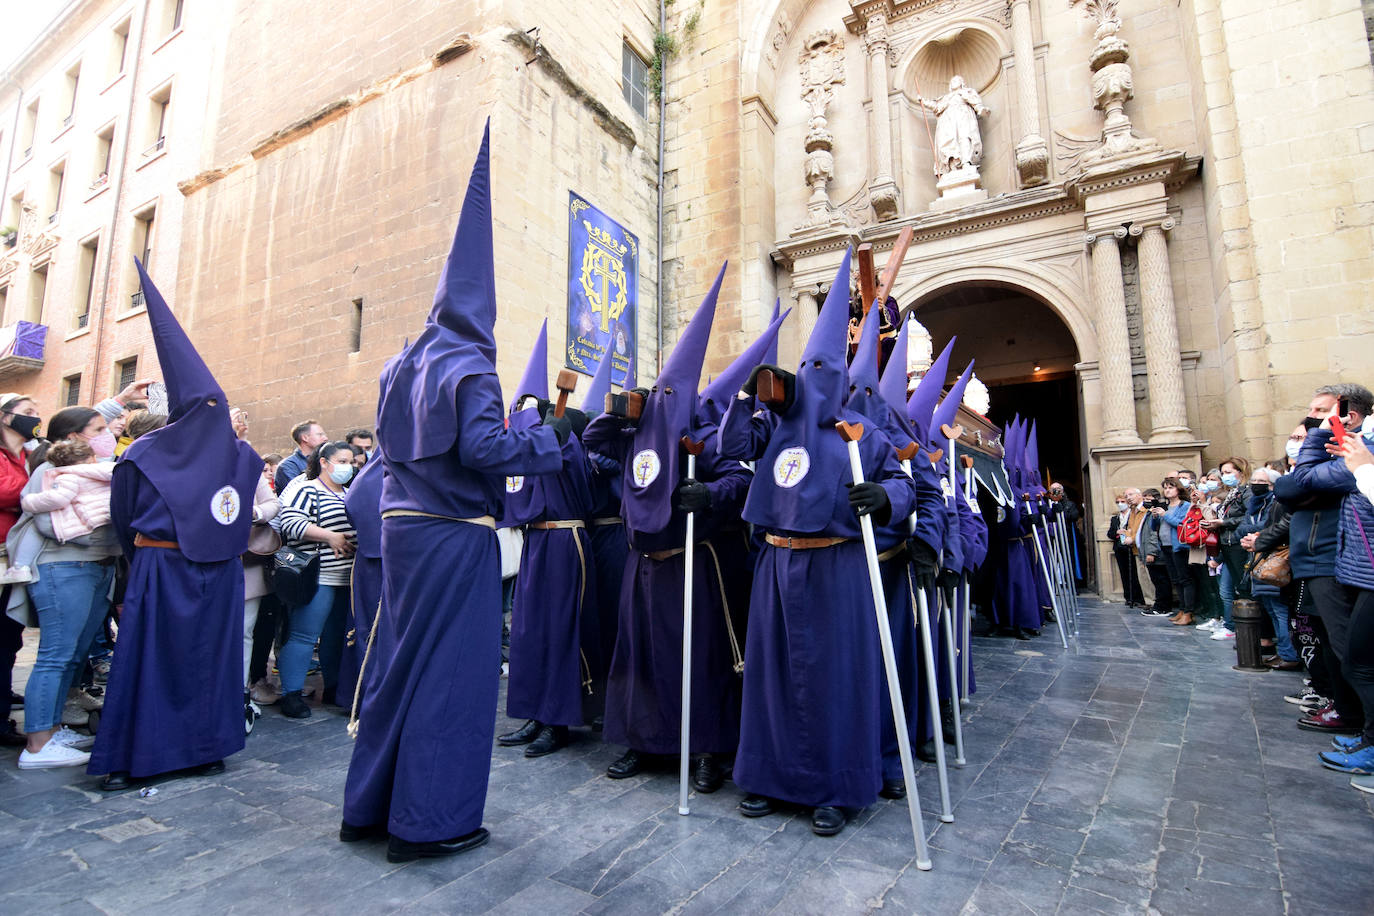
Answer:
(1172, 167)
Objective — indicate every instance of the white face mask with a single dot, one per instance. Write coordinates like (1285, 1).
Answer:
(1121, 506)
(1292, 448)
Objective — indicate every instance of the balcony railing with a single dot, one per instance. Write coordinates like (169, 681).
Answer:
(100, 181)
(67, 121)
(136, 300)
(21, 348)
(83, 320)
(155, 147)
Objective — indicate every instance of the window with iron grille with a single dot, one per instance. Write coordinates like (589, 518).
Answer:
(71, 390)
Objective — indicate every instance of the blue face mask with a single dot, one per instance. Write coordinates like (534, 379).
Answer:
(1230, 479)
(1207, 486)
(341, 474)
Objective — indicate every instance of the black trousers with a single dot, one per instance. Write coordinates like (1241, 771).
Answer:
(11, 641)
(1348, 616)
(1130, 579)
(268, 631)
(1164, 590)
(1181, 580)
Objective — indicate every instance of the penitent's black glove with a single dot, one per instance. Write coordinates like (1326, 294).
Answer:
(870, 498)
(562, 426)
(925, 561)
(578, 419)
(948, 579)
(692, 496)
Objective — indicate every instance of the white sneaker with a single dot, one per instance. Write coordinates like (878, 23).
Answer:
(1363, 783)
(65, 735)
(53, 755)
(1222, 634)
(1207, 625)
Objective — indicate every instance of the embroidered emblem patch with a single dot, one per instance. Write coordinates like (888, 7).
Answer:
(645, 467)
(515, 484)
(791, 466)
(224, 505)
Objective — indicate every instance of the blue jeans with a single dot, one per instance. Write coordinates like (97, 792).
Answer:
(1278, 613)
(71, 600)
(1228, 594)
(308, 624)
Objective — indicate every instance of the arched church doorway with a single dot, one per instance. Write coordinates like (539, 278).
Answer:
(1025, 354)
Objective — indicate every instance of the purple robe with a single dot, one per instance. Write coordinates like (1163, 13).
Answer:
(363, 500)
(175, 695)
(554, 643)
(610, 554)
(429, 715)
(644, 685)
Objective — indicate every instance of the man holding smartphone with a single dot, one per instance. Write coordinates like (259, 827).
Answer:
(1314, 491)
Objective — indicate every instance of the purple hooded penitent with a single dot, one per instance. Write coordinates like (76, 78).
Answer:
(1033, 464)
(921, 404)
(948, 410)
(534, 383)
(595, 400)
(715, 397)
(771, 357)
(418, 415)
(206, 476)
(653, 471)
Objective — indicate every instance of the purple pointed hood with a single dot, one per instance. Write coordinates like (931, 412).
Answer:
(654, 469)
(921, 405)
(418, 416)
(805, 436)
(203, 472)
(535, 381)
(864, 396)
(771, 357)
(893, 383)
(1011, 460)
(715, 397)
(595, 401)
(949, 408)
(1037, 490)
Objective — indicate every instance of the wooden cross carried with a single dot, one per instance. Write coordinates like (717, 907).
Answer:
(872, 287)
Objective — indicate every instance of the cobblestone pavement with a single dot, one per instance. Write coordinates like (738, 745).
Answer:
(1136, 772)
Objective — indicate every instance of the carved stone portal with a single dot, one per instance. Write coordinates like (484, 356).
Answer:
(1113, 84)
(822, 69)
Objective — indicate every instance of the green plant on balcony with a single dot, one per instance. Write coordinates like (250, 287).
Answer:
(8, 236)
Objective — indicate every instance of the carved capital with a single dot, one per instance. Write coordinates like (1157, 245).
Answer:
(1033, 160)
(1119, 233)
(876, 34)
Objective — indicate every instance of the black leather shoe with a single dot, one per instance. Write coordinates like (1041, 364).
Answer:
(11, 736)
(827, 821)
(352, 833)
(892, 788)
(293, 705)
(947, 721)
(756, 806)
(550, 739)
(925, 751)
(707, 774)
(522, 735)
(628, 765)
(116, 782)
(399, 850)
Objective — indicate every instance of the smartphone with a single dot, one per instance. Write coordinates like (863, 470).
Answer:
(1343, 407)
(1338, 430)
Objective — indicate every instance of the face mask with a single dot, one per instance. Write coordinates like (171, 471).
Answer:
(1292, 448)
(1208, 486)
(1185, 481)
(103, 444)
(1311, 422)
(341, 474)
(24, 426)
(1230, 479)
(1121, 507)
(1259, 489)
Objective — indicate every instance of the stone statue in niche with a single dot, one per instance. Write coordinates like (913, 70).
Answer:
(958, 141)
(958, 144)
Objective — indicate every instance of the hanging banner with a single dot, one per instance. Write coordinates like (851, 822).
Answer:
(603, 292)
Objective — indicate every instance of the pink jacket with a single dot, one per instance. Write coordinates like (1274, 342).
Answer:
(77, 498)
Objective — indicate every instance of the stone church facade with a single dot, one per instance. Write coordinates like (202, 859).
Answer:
(1162, 248)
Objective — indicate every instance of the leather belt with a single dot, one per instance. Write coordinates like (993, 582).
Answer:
(668, 554)
(613, 520)
(558, 525)
(893, 552)
(486, 521)
(791, 543)
(143, 541)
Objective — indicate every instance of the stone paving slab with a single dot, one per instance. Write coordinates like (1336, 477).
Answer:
(1134, 773)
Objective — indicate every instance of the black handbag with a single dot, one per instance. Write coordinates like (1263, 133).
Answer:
(294, 575)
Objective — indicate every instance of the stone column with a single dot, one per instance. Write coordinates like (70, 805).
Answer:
(1032, 153)
(807, 310)
(1164, 367)
(882, 190)
(1113, 340)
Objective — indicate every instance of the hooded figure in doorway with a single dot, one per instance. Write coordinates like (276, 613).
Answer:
(430, 710)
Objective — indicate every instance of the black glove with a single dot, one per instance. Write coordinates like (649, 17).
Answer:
(948, 579)
(577, 418)
(544, 405)
(562, 426)
(870, 498)
(692, 496)
(925, 561)
(789, 386)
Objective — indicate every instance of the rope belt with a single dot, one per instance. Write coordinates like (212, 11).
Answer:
(486, 521)
(893, 552)
(142, 541)
(558, 525)
(613, 520)
(778, 540)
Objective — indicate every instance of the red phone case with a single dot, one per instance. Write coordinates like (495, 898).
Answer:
(1338, 430)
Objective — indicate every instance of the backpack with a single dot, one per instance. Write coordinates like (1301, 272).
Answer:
(1191, 531)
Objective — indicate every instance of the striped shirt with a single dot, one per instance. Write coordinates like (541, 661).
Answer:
(313, 503)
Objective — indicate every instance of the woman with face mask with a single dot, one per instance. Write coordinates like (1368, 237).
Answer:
(316, 519)
(18, 423)
(1231, 556)
(69, 599)
(1265, 529)
(1121, 552)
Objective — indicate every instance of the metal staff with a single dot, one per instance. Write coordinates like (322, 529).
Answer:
(851, 435)
(905, 455)
(693, 449)
(952, 433)
(966, 621)
(1045, 569)
(1061, 528)
(1054, 548)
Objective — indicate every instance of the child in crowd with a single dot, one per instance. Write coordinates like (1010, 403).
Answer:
(76, 491)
